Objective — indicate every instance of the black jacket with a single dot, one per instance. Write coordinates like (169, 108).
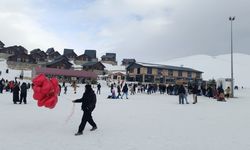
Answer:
(88, 100)
(181, 90)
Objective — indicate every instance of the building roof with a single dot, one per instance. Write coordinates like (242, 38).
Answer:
(58, 59)
(110, 67)
(1, 43)
(54, 54)
(35, 51)
(68, 52)
(91, 64)
(90, 53)
(66, 72)
(50, 50)
(128, 60)
(165, 67)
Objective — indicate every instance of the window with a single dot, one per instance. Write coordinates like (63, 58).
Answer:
(131, 70)
(189, 74)
(180, 73)
(170, 73)
(160, 71)
(149, 78)
(198, 75)
(149, 71)
(138, 71)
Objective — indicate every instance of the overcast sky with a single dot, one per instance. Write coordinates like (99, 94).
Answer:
(147, 30)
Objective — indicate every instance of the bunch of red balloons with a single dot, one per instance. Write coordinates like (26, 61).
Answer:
(45, 91)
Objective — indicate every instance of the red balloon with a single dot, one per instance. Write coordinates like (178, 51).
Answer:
(36, 88)
(38, 96)
(51, 102)
(38, 80)
(54, 82)
(45, 91)
(46, 87)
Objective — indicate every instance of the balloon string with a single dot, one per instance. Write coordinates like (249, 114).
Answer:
(71, 113)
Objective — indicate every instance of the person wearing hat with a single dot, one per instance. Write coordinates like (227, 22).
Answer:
(88, 101)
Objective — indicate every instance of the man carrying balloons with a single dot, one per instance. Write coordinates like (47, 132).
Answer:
(88, 101)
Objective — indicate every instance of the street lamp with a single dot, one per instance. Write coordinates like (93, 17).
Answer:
(231, 19)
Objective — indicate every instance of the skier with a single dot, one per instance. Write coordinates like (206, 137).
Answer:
(88, 101)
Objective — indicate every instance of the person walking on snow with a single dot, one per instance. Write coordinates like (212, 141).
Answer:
(98, 89)
(88, 101)
(125, 91)
(195, 91)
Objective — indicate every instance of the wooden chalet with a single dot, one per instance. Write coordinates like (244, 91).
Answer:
(109, 58)
(70, 54)
(88, 56)
(91, 54)
(39, 55)
(66, 74)
(14, 50)
(22, 58)
(117, 76)
(126, 62)
(96, 67)
(50, 51)
(84, 58)
(53, 55)
(61, 62)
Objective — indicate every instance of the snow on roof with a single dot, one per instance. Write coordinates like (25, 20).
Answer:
(74, 65)
(110, 67)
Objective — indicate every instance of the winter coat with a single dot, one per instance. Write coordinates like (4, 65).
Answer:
(24, 88)
(125, 88)
(195, 90)
(88, 100)
(181, 90)
(16, 90)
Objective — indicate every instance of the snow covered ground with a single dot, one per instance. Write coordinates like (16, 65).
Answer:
(143, 122)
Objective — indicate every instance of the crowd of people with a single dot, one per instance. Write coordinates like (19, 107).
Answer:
(117, 91)
(19, 90)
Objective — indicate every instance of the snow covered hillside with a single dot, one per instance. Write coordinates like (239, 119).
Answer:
(143, 122)
(217, 66)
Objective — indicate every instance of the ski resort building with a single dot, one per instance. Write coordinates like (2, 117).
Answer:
(157, 73)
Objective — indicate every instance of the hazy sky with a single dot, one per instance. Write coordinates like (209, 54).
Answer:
(147, 30)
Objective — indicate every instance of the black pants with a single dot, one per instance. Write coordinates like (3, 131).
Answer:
(87, 117)
(23, 98)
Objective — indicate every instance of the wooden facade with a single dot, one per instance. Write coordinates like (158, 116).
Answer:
(39, 55)
(70, 54)
(14, 50)
(22, 58)
(126, 62)
(155, 73)
(60, 62)
(53, 55)
(109, 58)
(96, 67)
